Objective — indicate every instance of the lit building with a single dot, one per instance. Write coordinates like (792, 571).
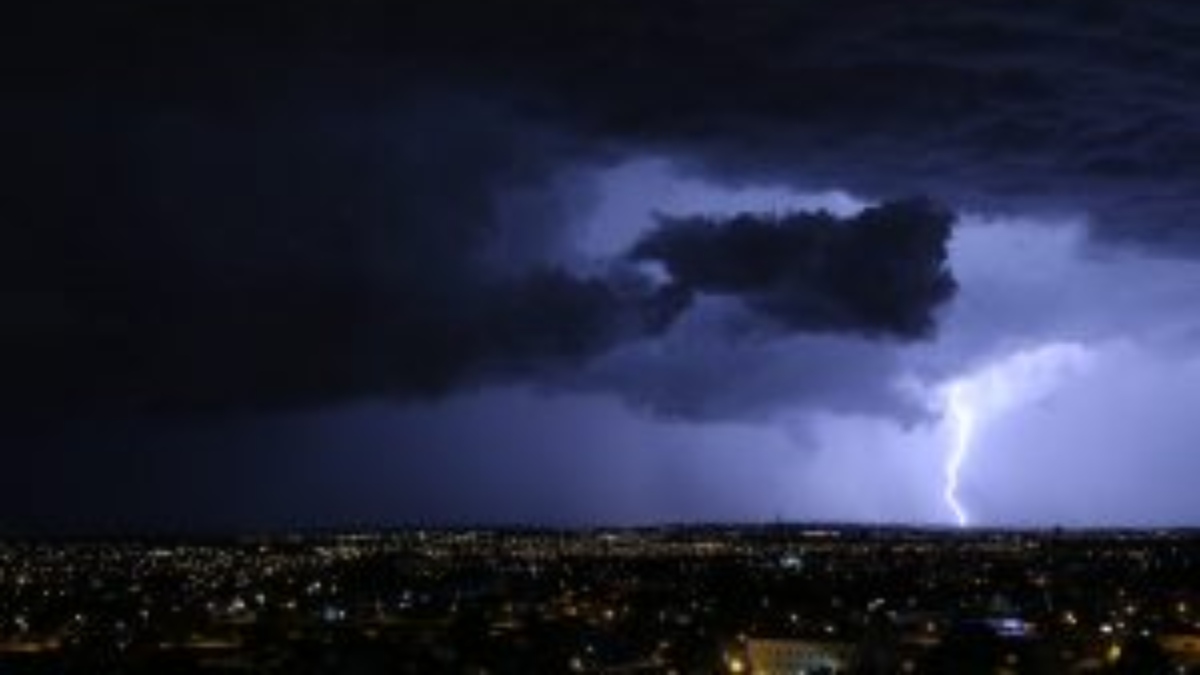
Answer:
(797, 657)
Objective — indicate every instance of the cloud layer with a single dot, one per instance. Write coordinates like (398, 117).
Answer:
(226, 208)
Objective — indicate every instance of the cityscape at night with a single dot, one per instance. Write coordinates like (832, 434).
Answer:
(693, 337)
(770, 599)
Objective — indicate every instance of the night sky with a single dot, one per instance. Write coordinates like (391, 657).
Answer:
(325, 264)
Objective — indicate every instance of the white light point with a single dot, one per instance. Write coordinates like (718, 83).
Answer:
(1000, 386)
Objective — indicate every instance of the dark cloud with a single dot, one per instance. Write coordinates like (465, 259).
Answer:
(687, 374)
(159, 344)
(809, 310)
(180, 257)
(522, 327)
(1001, 105)
(212, 205)
(881, 272)
(1006, 104)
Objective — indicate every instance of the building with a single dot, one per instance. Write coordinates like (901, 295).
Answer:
(797, 657)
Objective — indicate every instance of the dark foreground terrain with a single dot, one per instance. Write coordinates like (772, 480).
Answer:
(698, 600)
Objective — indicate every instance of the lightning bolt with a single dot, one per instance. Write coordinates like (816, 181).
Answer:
(999, 387)
(961, 419)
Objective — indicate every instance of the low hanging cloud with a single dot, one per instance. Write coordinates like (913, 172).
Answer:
(187, 346)
(882, 272)
(810, 310)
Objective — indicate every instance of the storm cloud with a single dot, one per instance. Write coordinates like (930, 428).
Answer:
(219, 217)
(219, 207)
(1054, 106)
(881, 272)
(188, 343)
(1051, 107)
